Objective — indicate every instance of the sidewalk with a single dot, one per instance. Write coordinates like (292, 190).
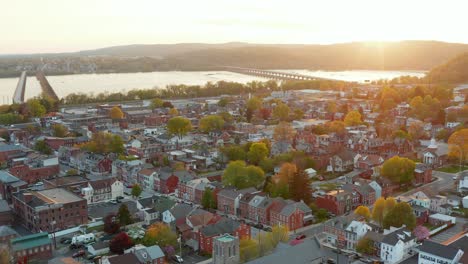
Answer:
(454, 238)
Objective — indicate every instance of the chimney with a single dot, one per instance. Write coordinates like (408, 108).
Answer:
(27, 197)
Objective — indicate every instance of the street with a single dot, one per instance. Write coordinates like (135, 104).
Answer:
(444, 182)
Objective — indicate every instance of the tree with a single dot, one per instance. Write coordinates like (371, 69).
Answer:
(365, 246)
(59, 130)
(458, 144)
(280, 233)
(124, 214)
(208, 199)
(211, 123)
(337, 127)
(116, 113)
(248, 249)
(173, 111)
(241, 176)
(353, 118)
(401, 214)
(160, 234)
(234, 153)
(103, 143)
(223, 102)
(72, 172)
(284, 132)
(390, 203)
(398, 170)
(120, 243)
(363, 211)
(264, 113)
(421, 232)
(258, 151)
(416, 131)
(300, 188)
(5, 256)
(281, 112)
(111, 225)
(167, 104)
(321, 215)
(35, 108)
(378, 210)
(331, 107)
(156, 103)
(42, 147)
(179, 126)
(298, 114)
(136, 190)
(254, 104)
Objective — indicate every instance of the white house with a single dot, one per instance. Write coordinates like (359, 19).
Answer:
(102, 190)
(434, 253)
(420, 199)
(356, 231)
(377, 188)
(463, 183)
(310, 172)
(396, 243)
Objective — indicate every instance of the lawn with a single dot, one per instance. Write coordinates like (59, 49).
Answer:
(328, 186)
(452, 168)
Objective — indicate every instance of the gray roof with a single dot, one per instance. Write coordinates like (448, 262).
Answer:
(374, 236)
(256, 201)
(181, 210)
(7, 147)
(4, 206)
(400, 234)
(447, 252)
(224, 226)
(233, 193)
(302, 253)
(155, 252)
(100, 245)
(7, 231)
(290, 208)
(103, 209)
(6, 177)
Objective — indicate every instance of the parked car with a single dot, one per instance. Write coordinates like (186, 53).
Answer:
(78, 254)
(119, 198)
(331, 261)
(300, 237)
(267, 228)
(113, 201)
(258, 226)
(178, 259)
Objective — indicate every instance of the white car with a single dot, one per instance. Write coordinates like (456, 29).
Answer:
(454, 177)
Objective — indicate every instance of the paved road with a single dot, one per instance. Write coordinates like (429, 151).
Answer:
(444, 182)
(448, 233)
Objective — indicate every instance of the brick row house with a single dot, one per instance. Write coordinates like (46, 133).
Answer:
(224, 226)
(48, 210)
(337, 202)
(36, 168)
(102, 190)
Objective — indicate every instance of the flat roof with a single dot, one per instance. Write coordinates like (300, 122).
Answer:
(58, 195)
(31, 241)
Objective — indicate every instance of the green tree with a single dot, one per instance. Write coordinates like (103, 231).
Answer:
(35, 108)
(399, 170)
(257, 152)
(211, 123)
(116, 113)
(136, 190)
(378, 210)
(281, 112)
(103, 143)
(223, 102)
(401, 214)
(234, 153)
(353, 118)
(116, 145)
(72, 172)
(365, 246)
(208, 199)
(160, 234)
(156, 103)
(241, 176)
(42, 147)
(59, 130)
(124, 215)
(179, 126)
(254, 104)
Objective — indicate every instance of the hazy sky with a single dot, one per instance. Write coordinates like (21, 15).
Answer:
(28, 26)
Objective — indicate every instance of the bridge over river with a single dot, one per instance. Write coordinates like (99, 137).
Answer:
(47, 90)
(275, 75)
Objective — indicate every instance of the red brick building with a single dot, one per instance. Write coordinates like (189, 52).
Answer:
(55, 142)
(48, 210)
(228, 199)
(8, 152)
(289, 213)
(422, 174)
(6, 215)
(224, 226)
(337, 202)
(32, 174)
(32, 247)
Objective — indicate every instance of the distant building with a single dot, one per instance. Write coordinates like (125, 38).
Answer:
(6, 215)
(35, 246)
(226, 249)
(102, 190)
(431, 252)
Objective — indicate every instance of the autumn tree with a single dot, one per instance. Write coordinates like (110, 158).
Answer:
(300, 187)
(59, 130)
(363, 211)
(458, 145)
(264, 113)
(5, 256)
(399, 170)
(416, 131)
(279, 186)
(337, 127)
(120, 242)
(248, 249)
(209, 199)
(254, 104)
(173, 111)
(234, 153)
(331, 107)
(156, 103)
(111, 225)
(401, 214)
(257, 152)
(136, 190)
(378, 210)
(390, 203)
(179, 126)
(284, 132)
(103, 143)
(211, 123)
(124, 215)
(353, 118)
(223, 102)
(298, 114)
(241, 176)
(365, 246)
(281, 112)
(160, 234)
(116, 113)
(421, 232)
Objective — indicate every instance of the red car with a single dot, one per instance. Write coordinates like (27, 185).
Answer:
(300, 237)
(78, 254)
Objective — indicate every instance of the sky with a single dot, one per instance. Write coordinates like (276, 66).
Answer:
(33, 26)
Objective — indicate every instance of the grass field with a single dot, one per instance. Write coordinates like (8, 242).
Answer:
(452, 168)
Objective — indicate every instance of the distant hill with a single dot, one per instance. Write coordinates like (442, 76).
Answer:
(453, 71)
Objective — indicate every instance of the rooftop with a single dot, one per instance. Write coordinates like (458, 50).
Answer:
(226, 238)
(57, 196)
(30, 241)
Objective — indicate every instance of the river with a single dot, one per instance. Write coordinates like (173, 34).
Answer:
(114, 82)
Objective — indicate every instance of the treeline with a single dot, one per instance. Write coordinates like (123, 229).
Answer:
(182, 91)
(454, 71)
